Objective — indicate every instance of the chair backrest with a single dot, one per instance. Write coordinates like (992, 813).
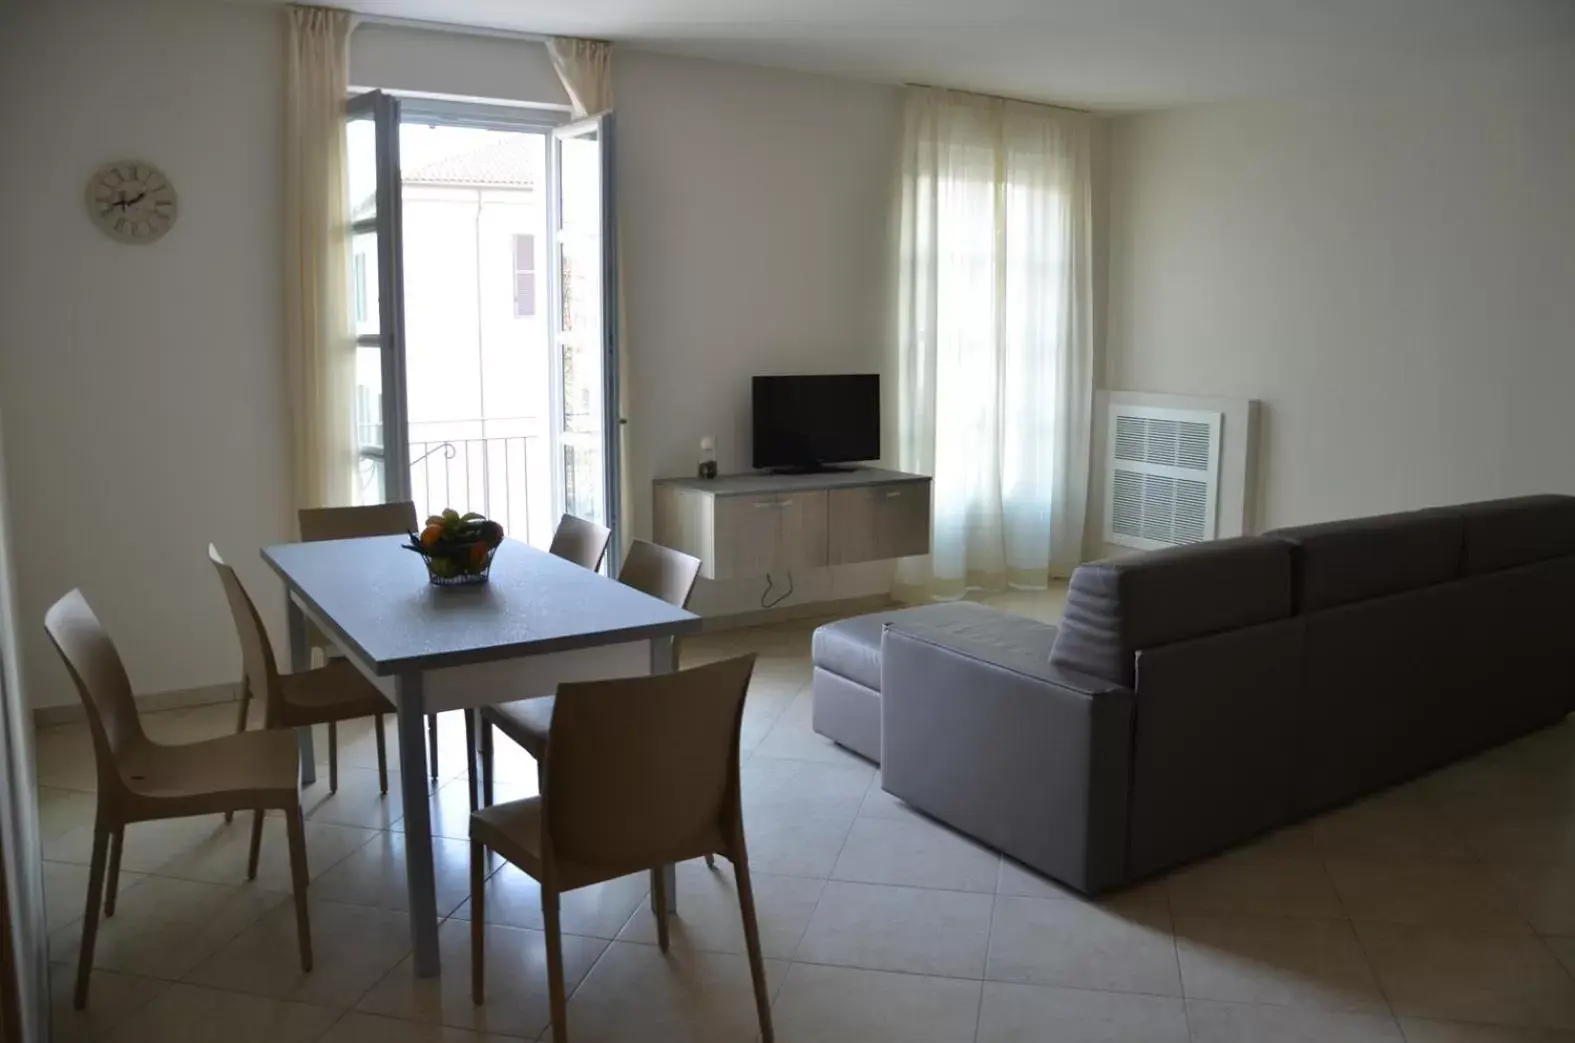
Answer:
(101, 681)
(580, 541)
(347, 523)
(262, 672)
(660, 572)
(642, 770)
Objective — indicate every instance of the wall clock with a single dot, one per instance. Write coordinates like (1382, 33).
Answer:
(131, 201)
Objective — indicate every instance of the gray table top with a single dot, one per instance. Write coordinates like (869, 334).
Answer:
(376, 598)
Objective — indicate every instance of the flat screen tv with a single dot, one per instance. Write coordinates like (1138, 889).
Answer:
(805, 424)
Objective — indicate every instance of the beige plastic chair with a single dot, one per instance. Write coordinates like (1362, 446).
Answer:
(140, 780)
(580, 541)
(657, 571)
(327, 695)
(641, 773)
(348, 523)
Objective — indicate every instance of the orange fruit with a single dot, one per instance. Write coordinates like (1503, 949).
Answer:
(478, 554)
(431, 535)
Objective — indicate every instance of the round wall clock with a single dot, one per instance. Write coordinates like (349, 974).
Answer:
(131, 201)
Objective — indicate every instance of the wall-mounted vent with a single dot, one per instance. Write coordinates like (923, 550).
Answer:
(1162, 476)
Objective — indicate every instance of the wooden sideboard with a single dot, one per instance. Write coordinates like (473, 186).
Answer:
(746, 525)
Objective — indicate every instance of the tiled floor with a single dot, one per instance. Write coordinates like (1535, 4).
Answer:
(1440, 912)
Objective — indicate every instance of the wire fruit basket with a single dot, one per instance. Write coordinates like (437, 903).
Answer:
(457, 548)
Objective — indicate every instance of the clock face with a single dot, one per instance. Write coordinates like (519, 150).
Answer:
(131, 201)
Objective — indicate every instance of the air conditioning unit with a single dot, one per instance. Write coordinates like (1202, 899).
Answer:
(1162, 477)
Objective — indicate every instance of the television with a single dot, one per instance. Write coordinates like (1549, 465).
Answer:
(804, 424)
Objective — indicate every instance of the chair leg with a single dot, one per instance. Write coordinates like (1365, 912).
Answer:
(117, 840)
(298, 878)
(478, 928)
(333, 756)
(256, 852)
(432, 738)
(472, 773)
(488, 793)
(710, 861)
(242, 706)
(659, 907)
(95, 895)
(555, 997)
(382, 754)
(757, 966)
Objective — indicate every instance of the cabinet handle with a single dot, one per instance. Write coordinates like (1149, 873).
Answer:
(893, 493)
(766, 503)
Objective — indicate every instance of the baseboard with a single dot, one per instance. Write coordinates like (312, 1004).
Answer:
(181, 699)
(808, 610)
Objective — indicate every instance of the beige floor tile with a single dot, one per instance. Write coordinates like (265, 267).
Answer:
(880, 804)
(164, 928)
(516, 1000)
(1257, 880)
(1018, 881)
(1082, 945)
(112, 998)
(62, 810)
(353, 947)
(771, 784)
(356, 1027)
(822, 1004)
(1519, 836)
(708, 917)
(375, 875)
(1214, 1022)
(1399, 823)
(1289, 961)
(1454, 974)
(915, 853)
(65, 891)
(1418, 1030)
(1543, 894)
(1434, 891)
(795, 844)
(598, 911)
(188, 1014)
(884, 928)
(63, 757)
(450, 804)
(359, 801)
(636, 994)
(1023, 1013)
(221, 857)
(792, 737)
(150, 845)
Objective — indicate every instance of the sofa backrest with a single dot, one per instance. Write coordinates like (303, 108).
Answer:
(1502, 534)
(1117, 607)
(1358, 559)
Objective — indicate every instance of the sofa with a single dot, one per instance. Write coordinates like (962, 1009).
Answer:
(1194, 697)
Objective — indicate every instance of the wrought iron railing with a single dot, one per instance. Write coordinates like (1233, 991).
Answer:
(497, 476)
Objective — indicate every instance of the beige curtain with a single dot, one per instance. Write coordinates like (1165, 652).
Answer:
(585, 67)
(995, 388)
(318, 342)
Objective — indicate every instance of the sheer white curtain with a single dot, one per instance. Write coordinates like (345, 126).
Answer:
(995, 344)
(318, 341)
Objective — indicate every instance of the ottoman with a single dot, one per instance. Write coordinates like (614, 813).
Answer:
(846, 682)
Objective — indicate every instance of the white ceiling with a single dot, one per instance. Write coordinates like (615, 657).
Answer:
(1113, 54)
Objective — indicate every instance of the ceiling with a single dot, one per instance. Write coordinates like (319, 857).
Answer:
(1107, 54)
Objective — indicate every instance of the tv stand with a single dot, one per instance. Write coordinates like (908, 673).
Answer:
(743, 526)
(806, 469)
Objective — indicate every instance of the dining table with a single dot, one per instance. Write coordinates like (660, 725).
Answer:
(539, 621)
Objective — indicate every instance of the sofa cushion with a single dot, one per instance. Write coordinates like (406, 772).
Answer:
(1116, 607)
(1501, 534)
(1357, 559)
(851, 647)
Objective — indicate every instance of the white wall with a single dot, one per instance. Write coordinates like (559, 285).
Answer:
(1392, 275)
(393, 57)
(141, 386)
(755, 219)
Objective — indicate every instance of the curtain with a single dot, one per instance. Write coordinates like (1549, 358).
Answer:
(318, 341)
(585, 67)
(995, 351)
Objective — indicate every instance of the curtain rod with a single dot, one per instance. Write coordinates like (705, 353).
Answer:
(451, 27)
(1001, 97)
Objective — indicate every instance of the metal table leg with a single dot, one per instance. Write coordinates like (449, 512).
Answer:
(664, 660)
(420, 881)
(300, 662)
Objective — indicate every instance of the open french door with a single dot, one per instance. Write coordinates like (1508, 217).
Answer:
(583, 276)
(377, 298)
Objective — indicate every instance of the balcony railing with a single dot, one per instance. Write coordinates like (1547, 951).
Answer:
(507, 478)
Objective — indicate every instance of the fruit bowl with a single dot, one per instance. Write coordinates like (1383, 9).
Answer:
(457, 548)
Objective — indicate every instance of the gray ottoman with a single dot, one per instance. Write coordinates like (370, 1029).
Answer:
(846, 681)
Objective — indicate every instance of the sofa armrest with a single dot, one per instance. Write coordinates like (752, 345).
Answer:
(1032, 759)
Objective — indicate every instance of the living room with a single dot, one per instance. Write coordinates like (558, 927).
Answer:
(1348, 224)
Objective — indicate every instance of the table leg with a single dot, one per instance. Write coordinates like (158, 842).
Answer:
(410, 712)
(300, 662)
(664, 660)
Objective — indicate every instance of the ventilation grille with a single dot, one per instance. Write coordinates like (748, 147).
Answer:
(1163, 476)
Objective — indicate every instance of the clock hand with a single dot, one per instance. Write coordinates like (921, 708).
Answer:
(134, 200)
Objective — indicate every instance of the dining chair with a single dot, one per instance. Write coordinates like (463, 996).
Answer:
(640, 773)
(348, 523)
(651, 569)
(324, 695)
(580, 541)
(140, 780)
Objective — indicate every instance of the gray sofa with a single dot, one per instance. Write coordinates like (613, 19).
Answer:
(1195, 697)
